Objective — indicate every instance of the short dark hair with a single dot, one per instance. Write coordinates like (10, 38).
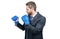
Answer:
(31, 4)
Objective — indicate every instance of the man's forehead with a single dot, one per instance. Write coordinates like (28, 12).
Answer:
(27, 7)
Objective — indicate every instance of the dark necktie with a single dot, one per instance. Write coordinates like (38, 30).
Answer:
(31, 18)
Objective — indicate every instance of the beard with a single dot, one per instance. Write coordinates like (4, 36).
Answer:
(29, 13)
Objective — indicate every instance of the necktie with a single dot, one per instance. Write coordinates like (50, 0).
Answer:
(31, 18)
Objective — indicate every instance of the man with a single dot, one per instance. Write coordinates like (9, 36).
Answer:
(34, 29)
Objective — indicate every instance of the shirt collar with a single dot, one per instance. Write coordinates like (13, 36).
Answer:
(34, 14)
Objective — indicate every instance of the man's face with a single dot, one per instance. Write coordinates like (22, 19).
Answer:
(28, 10)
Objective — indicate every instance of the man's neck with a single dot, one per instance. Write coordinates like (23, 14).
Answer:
(33, 13)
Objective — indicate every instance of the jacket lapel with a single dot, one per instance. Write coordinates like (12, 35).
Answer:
(36, 18)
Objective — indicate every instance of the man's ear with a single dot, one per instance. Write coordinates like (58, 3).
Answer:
(32, 8)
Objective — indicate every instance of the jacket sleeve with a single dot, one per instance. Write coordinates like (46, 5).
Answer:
(39, 26)
(21, 26)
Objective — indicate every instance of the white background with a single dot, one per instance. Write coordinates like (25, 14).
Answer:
(49, 8)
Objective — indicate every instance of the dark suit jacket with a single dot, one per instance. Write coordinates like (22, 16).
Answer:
(34, 29)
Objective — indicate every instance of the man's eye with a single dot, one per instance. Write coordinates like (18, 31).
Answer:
(27, 9)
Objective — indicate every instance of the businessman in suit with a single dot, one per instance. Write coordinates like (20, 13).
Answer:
(34, 29)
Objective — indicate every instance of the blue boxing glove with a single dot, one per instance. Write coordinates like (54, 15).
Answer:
(25, 19)
(15, 19)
